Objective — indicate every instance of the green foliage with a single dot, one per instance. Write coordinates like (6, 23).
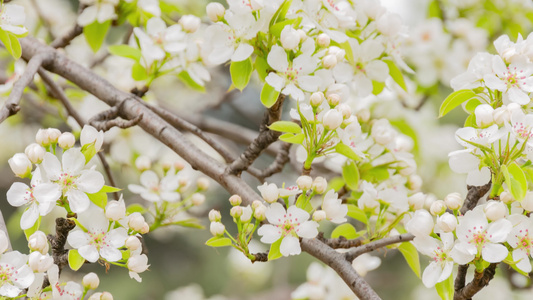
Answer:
(274, 252)
(28, 232)
(218, 241)
(346, 230)
(445, 289)
(350, 173)
(75, 261)
(357, 214)
(241, 71)
(396, 74)
(125, 51)
(454, 100)
(516, 180)
(11, 42)
(269, 95)
(410, 254)
(345, 150)
(285, 126)
(293, 138)
(95, 34)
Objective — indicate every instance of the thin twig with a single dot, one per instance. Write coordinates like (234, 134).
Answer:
(279, 162)
(109, 119)
(474, 194)
(352, 254)
(59, 253)
(340, 242)
(63, 41)
(460, 279)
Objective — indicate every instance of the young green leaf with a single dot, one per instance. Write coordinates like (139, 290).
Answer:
(346, 230)
(28, 232)
(285, 126)
(410, 254)
(16, 50)
(454, 100)
(98, 198)
(75, 261)
(261, 66)
(138, 72)
(274, 252)
(241, 71)
(350, 173)
(516, 180)
(135, 208)
(357, 213)
(292, 138)
(269, 95)
(218, 241)
(396, 74)
(95, 34)
(125, 51)
(186, 78)
(345, 150)
(445, 289)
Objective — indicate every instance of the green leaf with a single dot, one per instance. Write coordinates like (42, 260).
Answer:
(276, 29)
(345, 150)
(138, 72)
(135, 208)
(516, 180)
(377, 87)
(396, 74)
(241, 71)
(28, 232)
(280, 14)
(349, 53)
(16, 50)
(98, 198)
(95, 34)
(110, 189)
(75, 261)
(285, 126)
(376, 174)
(269, 95)
(218, 241)
(445, 288)
(274, 252)
(89, 151)
(186, 78)
(470, 121)
(292, 138)
(4, 37)
(471, 105)
(350, 173)
(357, 213)
(434, 10)
(125, 51)
(410, 254)
(261, 66)
(346, 230)
(454, 100)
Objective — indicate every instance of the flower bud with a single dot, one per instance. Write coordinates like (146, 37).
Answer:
(501, 115)
(333, 99)
(319, 215)
(323, 40)
(316, 99)
(214, 215)
(421, 224)
(304, 182)
(447, 222)
(145, 228)
(90, 281)
(329, 61)
(190, 23)
(115, 210)
(53, 135)
(101, 296)
(430, 198)
(215, 11)
(197, 199)
(454, 201)
(247, 213)
(403, 143)
(259, 212)
(269, 192)
(437, 208)
(38, 242)
(40, 263)
(235, 200)
(183, 182)
(256, 204)
(289, 38)
(133, 243)
(302, 34)
(319, 185)
(35, 153)
(363, 115)
(506, 197)
(217, 228)
(236, 212)
(332, 119)
(20, 165)
(66, 140)
(136, 221)
(416, 201)
(202, 183)
(415, 182)
(42, 137)
(345, 110)
(483, 114)
(494, 210)
(138, 263)
(143, 163)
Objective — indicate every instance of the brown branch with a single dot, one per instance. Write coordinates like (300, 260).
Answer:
(460, 280)
(260, 257)
(340, 242)
(108, 119)
(481, 280)
(11, 106)
(3, 228)
(263, 140)
(474, 194)
(282, 158)
(63, 41)
(352, 254)
(59, 253)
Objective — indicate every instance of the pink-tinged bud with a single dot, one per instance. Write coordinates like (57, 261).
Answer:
(53, 135)
(415, 182)
(447, 222)
(138, 263)
(40, 263)
(332, 119)
(483, 114)
(178, 165)
(323, 40)
(345, 110)
(236, 212)
(421, 224)
(363, 115)
(42, 137)
(269, 192)
(438, 208)
(259, 212)
(190, 23)
(454, 201)
(214, 215)
(115, 210)
(506, 197)
(143, 163)
(136, 221)
(197, 199)
(66, 140)
(494, 210)
(202, 183)
(235, 200)
(35, 153)
(145, 229)
(101, 296)
(319, 185)
(416, 201)
(329, 61)
(256, 204)
(289, 38)
(133, 243)
(217, 228)
(316, 99)
(20, 165)
(304, 182)
(319, 215)
(90, 281)
(333, 100)
(38, 242)
(183, 182)
(215, 11)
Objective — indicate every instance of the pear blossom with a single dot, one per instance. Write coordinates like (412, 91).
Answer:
(421, 224)
(154, 190)
(72, 179)
(292, 78)
(63, 291)
(159, 40)
(515, 80)
(365, 263)
(335, 210)
(90, 135)
(521, 242)
(4, 242)
(98, 241)
(269, 192)
(442, 265)
(12, 18)
(476, 236)
(288, 225)
(97, 11)
(137, 263)
(15, 274)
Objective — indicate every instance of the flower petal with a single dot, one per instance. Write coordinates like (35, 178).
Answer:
(308, 229)
(78, 200)
(89, 252)
(494, 253)
(29, 217)
(78, 239)
(90, 181)
(269, 233)
(276, 214)
(290, 246)
(18, 194)
(277, 59)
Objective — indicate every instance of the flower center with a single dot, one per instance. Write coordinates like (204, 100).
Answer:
(67, 181)
(439, 255)
(98, 239)
(525, 241)
(289, 225)
(521, 130)
(513, 79)
(6, 272)
(292, 74)
(478, 237)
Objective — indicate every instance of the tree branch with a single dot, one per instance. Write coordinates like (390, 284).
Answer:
(63, 41)
(108, 119)
(340, 242)
(460, 280)
(474, 194)
(481, 279)
(59, 253)
(281, 159)
(352, 254)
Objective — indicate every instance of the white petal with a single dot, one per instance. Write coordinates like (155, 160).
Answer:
(269, 233)
(291, 90)
(117, 237)
(89, 252)
(90, 181)
(78, 201)
(73, 161)
(88, 16)
(276, 214)
(275, 81)
(18, 194)
(290, 246)
(277, 59)
(47, 193)
(518, 96)
(460, 256)
(377, 70)
(137, 189)
(308, 229)
(431, 275)
(78, 239)
(494, 253)
(29, 217)
(51, 166)
(499, 230)
(494, 82)
(309, 83)
(149, 179)
(242, 52)
(110, 254)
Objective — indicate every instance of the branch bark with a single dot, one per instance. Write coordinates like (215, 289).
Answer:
(474, 194)
(352, 254)
(481, 279)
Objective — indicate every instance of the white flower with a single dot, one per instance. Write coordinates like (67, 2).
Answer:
(40, 263)
(66, 140)
(515, 80)
(442, 265)
(63, 291)
(365, 263)
(115, 210)
(522, 243)
(289, 38)
(97, 10)
(476, 235)
(190, 23)
(287, 225)
(335, 210)
(35, 153)
(72, 179)
(269, 192)
(454, 201)
(479, 66)
(494, 210)
(20, 164)
(332, 119)
(91, 281)
(4, 242)
(90, 135)
(292, 78)
(159, 40)
(38, 242)
(421, 224)
(97, 241)
(154, 190)
(137, 264)
(12, 18)
(447, 222)
(16, 274)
